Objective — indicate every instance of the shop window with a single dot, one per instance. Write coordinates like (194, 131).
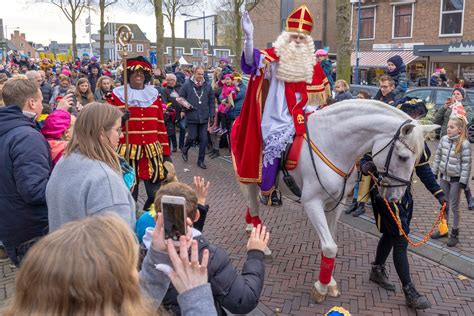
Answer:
(452, 16)
(402, 20)
(140, 48)
(367, 23)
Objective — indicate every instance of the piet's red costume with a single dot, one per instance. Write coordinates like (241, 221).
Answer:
(148, 141)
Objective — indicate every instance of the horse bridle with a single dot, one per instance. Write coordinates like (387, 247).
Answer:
(385, 173)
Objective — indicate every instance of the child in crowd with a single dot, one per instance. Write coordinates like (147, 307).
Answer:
(453, 162)
(398, 71)
(326, 64)
(57, 130)
(83, 92)
(89, 267)
(342, 91)
(170, 118)
(238, 293)
(227, 97)
(103, 88)
(61, 89)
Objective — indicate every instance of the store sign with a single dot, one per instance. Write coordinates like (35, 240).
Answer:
(469, 76)
(396, 46)
(462, 48)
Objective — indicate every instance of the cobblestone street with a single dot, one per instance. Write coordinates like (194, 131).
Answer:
(294, 265)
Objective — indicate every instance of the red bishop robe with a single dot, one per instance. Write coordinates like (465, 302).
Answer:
(148, 141)
(246, 137)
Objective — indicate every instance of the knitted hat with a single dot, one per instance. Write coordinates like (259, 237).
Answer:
(228, 76)
(224, 59)
(56, 124)
(66, 72)
(461, 90)
(396, 60)
(93, 58)
(321, 52)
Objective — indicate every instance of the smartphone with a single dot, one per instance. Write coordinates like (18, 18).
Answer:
(174, 216)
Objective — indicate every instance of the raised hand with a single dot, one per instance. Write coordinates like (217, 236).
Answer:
(187, 275)
(258, 238)
(247, 25)
(201, 189)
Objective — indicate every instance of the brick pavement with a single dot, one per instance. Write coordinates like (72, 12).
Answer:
(293, 267)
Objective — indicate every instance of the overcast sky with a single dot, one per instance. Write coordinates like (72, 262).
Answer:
(45, 22)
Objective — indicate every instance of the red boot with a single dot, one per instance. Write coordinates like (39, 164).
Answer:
(254, 220)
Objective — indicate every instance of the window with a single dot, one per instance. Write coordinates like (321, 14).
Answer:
(423, 94)
(196, 52)
(221, 53)
(441, 96)
(452, 16)
(402, 20)
(179, 51)
(140, 48)
(119, 47)
(367, 23)
(129, 47)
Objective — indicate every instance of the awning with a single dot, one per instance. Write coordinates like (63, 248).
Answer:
(183, 61)
(373, 59)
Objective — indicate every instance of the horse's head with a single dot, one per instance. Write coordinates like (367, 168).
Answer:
(395, 156)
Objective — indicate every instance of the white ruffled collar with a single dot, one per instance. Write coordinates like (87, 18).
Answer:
(142, 98)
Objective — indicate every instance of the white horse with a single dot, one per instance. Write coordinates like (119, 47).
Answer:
(344, 132)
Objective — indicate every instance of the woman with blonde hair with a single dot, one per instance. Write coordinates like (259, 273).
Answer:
(89, 267)
(89, 179)
(104, 87)
(84, 92)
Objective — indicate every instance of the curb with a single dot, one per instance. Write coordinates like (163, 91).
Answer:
(434, 252)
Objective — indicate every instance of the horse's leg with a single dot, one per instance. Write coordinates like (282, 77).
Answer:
(332, 219)
(314, 209)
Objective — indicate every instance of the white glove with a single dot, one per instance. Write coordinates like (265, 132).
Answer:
(247, 27)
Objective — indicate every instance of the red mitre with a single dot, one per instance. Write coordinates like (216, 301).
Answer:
(300, 21)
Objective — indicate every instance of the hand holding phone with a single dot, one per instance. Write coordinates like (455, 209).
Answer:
(174, 217)
(158, 242)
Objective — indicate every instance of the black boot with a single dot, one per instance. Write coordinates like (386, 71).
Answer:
(360, 210)
(470, 200)
(453, 238)
(351, 207)
(379, 275)
(414, 299)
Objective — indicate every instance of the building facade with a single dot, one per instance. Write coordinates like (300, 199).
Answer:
(428, 34)
(269, 19)
(138, 46)
(19, 41)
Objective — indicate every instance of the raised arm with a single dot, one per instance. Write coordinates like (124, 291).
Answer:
(247, 27)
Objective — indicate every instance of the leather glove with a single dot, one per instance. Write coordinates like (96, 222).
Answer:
(442, 198)
(366, 167)
(125, 116)
(167, 158)
(211, 120)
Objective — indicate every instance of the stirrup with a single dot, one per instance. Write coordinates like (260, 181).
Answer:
(271, 199)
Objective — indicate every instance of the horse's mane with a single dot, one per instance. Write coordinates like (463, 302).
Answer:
(416, 141)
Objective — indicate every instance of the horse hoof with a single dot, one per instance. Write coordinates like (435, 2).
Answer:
(317, 297)
(267, 252)
(333, 291)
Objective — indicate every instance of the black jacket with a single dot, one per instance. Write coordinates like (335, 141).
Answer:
(46, 91)
(201, 112)
(25, 164)
(237, 292)
(167, 98)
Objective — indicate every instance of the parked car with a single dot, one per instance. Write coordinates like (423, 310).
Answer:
(437, 95)
(355, 88)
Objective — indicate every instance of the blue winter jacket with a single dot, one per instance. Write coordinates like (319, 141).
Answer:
(25, 166)
(238, 102)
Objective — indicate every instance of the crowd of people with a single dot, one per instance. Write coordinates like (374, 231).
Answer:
(71, 179)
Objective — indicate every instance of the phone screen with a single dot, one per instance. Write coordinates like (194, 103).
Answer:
(174, 220)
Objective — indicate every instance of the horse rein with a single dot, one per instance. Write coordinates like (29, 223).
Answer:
(384, 174)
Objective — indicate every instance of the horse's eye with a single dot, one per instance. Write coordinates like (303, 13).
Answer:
(403, 158)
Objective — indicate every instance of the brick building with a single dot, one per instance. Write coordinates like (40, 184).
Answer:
(428, 34)
(138, 46)
(19, 41)
(269, 18)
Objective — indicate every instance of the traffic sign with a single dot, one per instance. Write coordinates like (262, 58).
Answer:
(107, 37)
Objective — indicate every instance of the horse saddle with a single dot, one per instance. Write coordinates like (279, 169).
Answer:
(289, 161)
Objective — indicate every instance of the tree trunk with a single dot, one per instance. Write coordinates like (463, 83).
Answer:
(343, 42)
(173, 41)
(238, 32)
(73, 24)
(160, 41)
(102, 30)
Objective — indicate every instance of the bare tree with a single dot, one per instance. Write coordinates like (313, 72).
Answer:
(343, 41)
(171, 8)
(103, 4)
(72, 9)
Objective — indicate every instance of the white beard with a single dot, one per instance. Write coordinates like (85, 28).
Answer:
(296, 62)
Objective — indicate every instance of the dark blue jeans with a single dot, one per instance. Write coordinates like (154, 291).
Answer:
(17, 253)
(195, 130)
(182, 132)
